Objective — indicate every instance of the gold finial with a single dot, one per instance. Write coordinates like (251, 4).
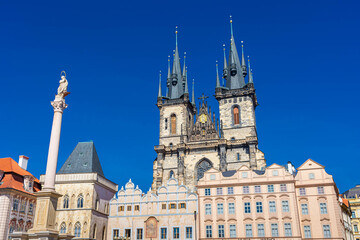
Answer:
(230, 19)
(63, 73)
(176, 31)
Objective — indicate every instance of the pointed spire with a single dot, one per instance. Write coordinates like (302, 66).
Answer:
(184, 67)
(225, 70)
(243, 64)
(193, 93)
(176, 85)
(186, 82)
(251, 80)
(168, 82)
(231, 26)
(217, 76)
(235, 78)
(159, 94)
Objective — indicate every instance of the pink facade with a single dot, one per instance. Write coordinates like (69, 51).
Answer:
(270, 204)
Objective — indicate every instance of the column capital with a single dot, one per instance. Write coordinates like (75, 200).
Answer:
(59, 105)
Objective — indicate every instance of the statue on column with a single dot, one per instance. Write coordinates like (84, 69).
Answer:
(63, 84)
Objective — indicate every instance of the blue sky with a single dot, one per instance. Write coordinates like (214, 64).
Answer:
(305, 58)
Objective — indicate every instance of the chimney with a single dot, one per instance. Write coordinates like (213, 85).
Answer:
(23, 161)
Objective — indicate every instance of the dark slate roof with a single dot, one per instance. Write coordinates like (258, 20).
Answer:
(352, 192)
(229, 173)
(83, 159)
(259, 172)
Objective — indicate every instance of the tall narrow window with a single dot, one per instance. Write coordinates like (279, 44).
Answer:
(63, 228)
(80, 201)
(77, 229)
(166, 123)
(236, 115)
(139, 233)
(261, 230)
(272, 206)
(326, 230)
(188, 232)
(307, 231)
(172, 174)
(221, 231)
(232, 230)
(173, 124)
(248, 230)
(163, 233)
(274, 230)
(208, 209)
(231, 208)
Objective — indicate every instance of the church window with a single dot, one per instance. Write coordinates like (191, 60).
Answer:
(80, 201)
(77, 229)
(238, 156)
(236, 115)
(63, 228)
(66, 201)
(166, 123)
(173, 124)
(164, 206)
(97, 203)
(202, 167)
(137, 207)
(103, 233)
(121, 208)
(129, 208)
(172, 174)
(94, 231)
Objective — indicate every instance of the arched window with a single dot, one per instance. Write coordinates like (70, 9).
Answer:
(236, 115)
(77, 229)
(103, 233)
(173, 124)
(97, 203)
(94, 232)
(80, 201)
(172, 174)
(202, 167)
(66, 201)
(63, 228)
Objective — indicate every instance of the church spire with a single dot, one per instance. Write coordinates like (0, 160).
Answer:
(159, 94)
(225, 70)
(168, 82)
(176, 86)
(193, 93)
(186, 82)
(235, 78)
(217, 76)
(251, 80)
(243, 64)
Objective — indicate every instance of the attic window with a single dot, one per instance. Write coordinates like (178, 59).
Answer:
(69, 165)
(311, 176)
(81, 154)
(275, 173)
(212, 177)
(85, 164)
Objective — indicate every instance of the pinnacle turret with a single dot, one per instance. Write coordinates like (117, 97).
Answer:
(217, 76)
(193, 93)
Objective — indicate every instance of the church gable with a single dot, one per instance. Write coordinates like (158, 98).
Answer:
(205, 127)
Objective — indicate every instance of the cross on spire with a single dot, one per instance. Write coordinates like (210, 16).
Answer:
(203, 97)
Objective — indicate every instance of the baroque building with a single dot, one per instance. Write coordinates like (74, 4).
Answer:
(83, 208)
(17, 199)
(274, 203)
(191, 140)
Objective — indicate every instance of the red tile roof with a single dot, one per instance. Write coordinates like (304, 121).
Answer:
(14, 175)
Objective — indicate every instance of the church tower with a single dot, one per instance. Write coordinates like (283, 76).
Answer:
(191, 140)
(176, 118)
(237, 103)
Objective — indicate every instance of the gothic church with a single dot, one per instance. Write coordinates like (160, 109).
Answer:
(191, 140)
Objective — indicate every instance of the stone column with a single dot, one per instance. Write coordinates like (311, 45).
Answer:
(47, 198)
(59, 105)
